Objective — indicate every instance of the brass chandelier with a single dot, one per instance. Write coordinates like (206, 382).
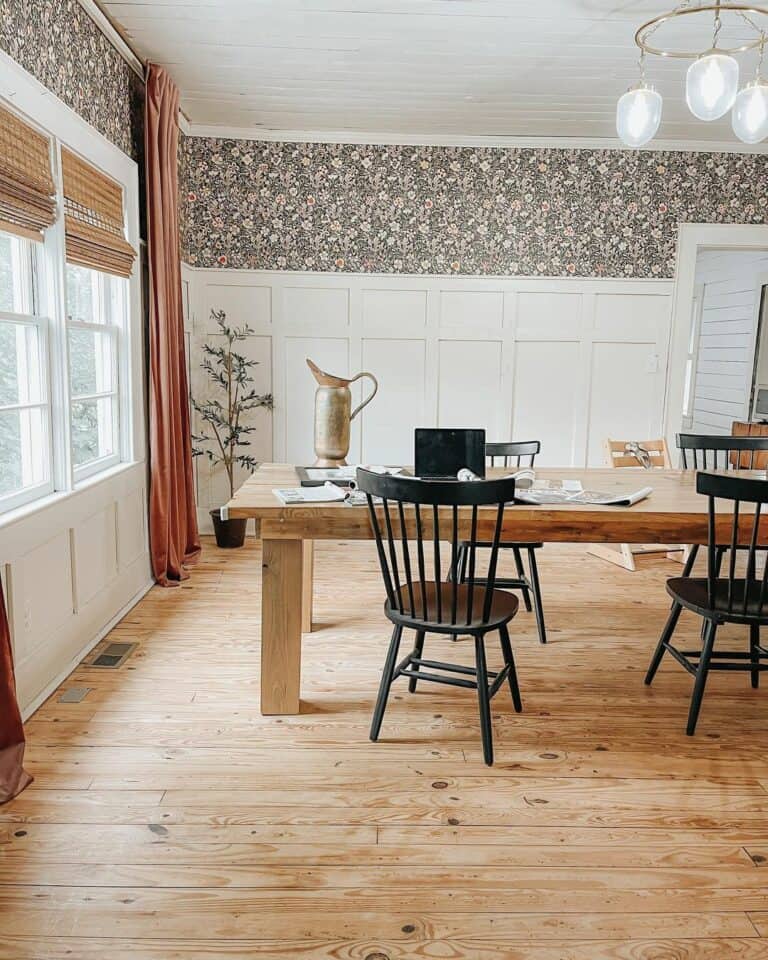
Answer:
(712, 80)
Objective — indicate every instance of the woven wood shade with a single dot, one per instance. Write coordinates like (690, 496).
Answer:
(27, 205)
(93, 218)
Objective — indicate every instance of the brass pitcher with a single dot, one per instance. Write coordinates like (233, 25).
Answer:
(333, 403)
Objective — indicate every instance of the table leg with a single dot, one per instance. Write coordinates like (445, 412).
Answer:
(282, 571)
(308, 572)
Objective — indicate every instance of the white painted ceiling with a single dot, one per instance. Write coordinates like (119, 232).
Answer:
(422, 68)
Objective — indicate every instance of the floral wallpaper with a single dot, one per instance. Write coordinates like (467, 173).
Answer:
(59, 44)
(393, 209)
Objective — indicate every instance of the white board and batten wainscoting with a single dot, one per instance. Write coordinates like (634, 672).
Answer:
(72, 563)
(567, 361)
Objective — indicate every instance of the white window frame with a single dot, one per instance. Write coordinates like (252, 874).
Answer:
(26, 269)
(20, 94)
(113, 314)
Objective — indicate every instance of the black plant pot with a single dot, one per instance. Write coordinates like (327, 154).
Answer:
(229, 533)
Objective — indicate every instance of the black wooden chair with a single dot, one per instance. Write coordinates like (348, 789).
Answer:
(410, 518)
(719, 600)
(703, 452)
(514, 455)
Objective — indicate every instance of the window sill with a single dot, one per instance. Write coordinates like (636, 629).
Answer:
(21, 513)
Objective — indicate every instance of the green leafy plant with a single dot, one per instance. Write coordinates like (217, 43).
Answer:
(227, 435)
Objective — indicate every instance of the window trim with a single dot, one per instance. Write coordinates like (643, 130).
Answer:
(27, 494)
(22, 95)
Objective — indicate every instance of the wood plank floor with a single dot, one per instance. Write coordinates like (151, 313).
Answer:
(170, 821)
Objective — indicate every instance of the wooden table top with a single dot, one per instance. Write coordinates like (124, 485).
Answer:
(672, 513)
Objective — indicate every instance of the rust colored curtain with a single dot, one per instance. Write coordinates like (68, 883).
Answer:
(13, 776)
(174, 538)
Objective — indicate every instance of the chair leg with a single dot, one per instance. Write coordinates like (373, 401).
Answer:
(514, 686)
(701, 678)
(666, 636)
(483, 700)
(418, 647)
(536, 591)
(521, 575)
(386, 682)
(754, 640)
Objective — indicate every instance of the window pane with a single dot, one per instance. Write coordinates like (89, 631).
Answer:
(23, 449)
(15, 293)
(91, 362)
(93, 433)
(82, 295)
(20, 366)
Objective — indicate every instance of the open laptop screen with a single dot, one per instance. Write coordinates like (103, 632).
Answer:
(440, 453)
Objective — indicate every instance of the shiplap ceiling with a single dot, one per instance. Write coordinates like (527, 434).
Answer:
(431, 68)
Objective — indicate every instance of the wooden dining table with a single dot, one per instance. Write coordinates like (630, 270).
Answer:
(672, 513)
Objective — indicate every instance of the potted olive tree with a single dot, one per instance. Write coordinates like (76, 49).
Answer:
(225, 433)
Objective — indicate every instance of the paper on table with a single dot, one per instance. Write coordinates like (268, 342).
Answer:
(328, 493)
(592, 497)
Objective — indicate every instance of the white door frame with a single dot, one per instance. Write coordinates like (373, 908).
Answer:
(691, 238)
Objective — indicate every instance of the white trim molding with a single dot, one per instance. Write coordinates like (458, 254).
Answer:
(115, 37)
(693, 237)
(379, 138)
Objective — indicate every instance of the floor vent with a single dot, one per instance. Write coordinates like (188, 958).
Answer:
(113, 655)
(75, 694)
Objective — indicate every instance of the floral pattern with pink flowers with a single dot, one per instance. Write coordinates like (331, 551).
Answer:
(406, 209)
(59, 44)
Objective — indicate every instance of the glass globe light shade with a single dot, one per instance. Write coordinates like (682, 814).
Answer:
(638, 115)
(750, 113)
(711, 85)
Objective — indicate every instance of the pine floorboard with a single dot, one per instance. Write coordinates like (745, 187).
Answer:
(169, 820)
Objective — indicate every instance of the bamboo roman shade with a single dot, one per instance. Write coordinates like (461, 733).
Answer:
(93, 218)
(27, 205)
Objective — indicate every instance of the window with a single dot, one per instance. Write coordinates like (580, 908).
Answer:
(67, 403)
(25, 411)
(94, 321)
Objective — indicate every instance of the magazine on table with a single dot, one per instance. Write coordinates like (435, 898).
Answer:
(572, 491)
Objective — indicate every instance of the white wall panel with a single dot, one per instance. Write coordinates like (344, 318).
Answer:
(631, 316)
(625, 396)
(478, 310)
(546, 403)
(131, 528)
(389, 421)
(41, 594)
(331, 355)
(548, 314)
(513, 354)
(95, 546)
(316, 305)
(242, 303)
(382, 308)
(464, 363)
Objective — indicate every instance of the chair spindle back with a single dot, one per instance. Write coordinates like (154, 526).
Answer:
(514, 453)
(406, 514)
(748, 594)
(702, 452)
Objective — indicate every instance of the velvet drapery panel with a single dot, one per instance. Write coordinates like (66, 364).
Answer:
(13, 776)
(174, 538)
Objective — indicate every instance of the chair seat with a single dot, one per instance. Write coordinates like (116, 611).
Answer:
(506, 544)
(503, 607)
(691, 592)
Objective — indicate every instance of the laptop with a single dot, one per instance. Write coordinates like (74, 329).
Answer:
(440, 454)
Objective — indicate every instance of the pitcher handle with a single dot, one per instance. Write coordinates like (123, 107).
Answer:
(368, 399)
